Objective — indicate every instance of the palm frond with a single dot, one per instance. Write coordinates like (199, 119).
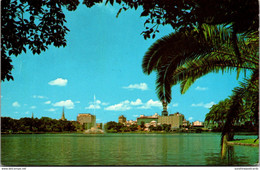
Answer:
(185, 84)
(183, 57)
(163, 88)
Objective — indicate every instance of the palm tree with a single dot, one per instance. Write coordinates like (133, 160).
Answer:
(183, 57)
(218, 113)
(245, 99)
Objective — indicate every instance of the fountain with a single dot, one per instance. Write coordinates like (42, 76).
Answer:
(94, 129)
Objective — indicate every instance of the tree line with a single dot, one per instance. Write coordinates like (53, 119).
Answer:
(31, 125)
(239, 110)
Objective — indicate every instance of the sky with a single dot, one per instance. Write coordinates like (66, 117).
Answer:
(99, 72)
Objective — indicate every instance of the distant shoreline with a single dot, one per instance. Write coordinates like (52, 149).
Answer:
(137, 132)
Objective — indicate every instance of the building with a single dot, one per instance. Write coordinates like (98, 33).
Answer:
(147, 119)
(130, 122)
(86, 120)
(122, 119)
(164, 112)
(197, 124)
(175, 120)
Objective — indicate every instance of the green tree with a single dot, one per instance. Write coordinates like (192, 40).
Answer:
(142, 125)
(166, 127)
(218, 113)
(133, 127)
(111, 125)
(152, 128)
(159, 128)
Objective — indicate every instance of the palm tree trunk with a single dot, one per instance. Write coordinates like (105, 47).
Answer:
(224, 146)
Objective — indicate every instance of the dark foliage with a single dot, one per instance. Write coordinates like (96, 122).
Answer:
(30, 125)
(36, 24)
(242, 15)
(33, 25)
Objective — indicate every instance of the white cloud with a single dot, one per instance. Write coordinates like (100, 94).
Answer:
(120, 107)
(51, 110)
(68, 104)
(135, 115)
(92, 106)
(47, 102)
(2, 96)
(201, 88)
(95, 105)
(175, 104)
(33, 107)
(58, 82)
(190, 118)
(141, 86)
(39, 97)
(209, 105)
(77, 101)
(206, 105)
(104, 103)
(98, 102)
(137, 102)
(27, 112)
(150, 104)
(16, 104)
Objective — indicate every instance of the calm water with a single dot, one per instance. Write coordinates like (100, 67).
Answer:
(121, 149)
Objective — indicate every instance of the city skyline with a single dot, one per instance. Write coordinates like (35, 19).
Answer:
(102, 58)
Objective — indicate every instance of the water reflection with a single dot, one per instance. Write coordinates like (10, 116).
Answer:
(122, 149)
(236, 155)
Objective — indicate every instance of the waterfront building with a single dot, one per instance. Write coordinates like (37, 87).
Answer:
(147, 119)
(63, 115)
(175, 120)
(153, 123)
(122, 119)
(87, 120)
(197, 124)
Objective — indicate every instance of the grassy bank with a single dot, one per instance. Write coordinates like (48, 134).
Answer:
(248, 142)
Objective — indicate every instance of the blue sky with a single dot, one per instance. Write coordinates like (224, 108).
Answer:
(103, 57)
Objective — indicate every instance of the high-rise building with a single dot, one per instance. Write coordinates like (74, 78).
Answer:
(87, 120)
(175, 120)
(121, 119)
(164, 112)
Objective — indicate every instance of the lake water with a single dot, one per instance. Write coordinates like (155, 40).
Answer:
(121, 149)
